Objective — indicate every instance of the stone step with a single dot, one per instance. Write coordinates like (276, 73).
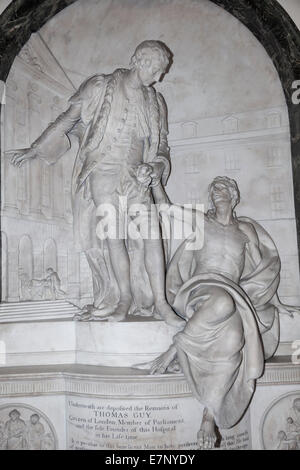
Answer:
(33, 303)
(37, 311)
(35, 308)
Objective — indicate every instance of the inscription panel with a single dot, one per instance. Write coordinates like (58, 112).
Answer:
(155, 424)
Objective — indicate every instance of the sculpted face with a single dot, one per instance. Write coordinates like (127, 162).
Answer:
(220, 194)
(282, 435)
(14, 415)
(34, 419)
(297, 404)
(150, 70)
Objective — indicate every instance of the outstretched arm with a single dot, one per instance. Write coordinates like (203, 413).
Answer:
(52, 143)
(253, 242)
(284, 309)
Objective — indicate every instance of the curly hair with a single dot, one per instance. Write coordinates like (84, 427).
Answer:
(146, 50)
(230, 184)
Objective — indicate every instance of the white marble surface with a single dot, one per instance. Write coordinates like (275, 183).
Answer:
(4, 4)
(225, 124)
(96, 343)
(215, 56)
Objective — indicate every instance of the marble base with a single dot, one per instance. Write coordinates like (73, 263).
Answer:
(78, 378)
(92, 407)
(55, 338)
(111, 344)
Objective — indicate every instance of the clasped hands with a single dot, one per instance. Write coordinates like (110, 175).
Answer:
(149, 174)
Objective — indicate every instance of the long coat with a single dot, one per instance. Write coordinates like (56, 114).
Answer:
(102, 114)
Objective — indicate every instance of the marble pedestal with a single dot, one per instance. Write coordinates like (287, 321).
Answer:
(78, 378)
(60, 340)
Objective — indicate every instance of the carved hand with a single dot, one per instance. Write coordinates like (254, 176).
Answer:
(289, 310)
(19, 157)
(157, 171)
(161, 363)
(143, 174)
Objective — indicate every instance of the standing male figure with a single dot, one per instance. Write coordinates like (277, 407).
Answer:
(15, 432)
(121, 123)
(35, 432)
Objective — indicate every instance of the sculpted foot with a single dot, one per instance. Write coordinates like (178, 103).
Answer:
(86, 315)
(207, 436)
(121, 310)
(91, 313)
(168, 315)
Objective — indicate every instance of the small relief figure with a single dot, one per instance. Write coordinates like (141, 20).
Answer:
(35, 432)
(48, 288)
(293, 432)
(47, 442)
(290, 438)
(296, 413)
(2, 436)
(291, 426)
(15, 432)
(51, 285)
(285, 442)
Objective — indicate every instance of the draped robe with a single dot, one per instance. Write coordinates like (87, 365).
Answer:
(223, 361)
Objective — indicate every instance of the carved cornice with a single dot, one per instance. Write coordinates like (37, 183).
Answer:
(229, 139)
(122, 386)
(287, 374)
(36, 60)
(43, 79)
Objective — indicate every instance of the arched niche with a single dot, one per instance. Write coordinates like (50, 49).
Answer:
(4, 267)
(50, 255)
(25, 257)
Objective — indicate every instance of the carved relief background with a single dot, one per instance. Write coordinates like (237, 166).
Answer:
(227, 115)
